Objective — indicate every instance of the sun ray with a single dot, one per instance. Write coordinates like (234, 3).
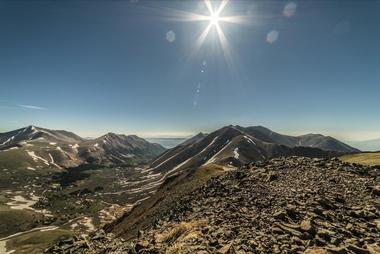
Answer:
(221, 7)
(240, 20)
(203, 36)
(188, 17)
(209, 6)
(224, 44)
(170, 14)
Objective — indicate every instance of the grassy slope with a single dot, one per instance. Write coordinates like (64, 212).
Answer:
(13, 221)
(15, 159)
(362, 158)
(36, 242)
(19, 158)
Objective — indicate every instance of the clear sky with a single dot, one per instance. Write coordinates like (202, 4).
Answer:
(139, 67)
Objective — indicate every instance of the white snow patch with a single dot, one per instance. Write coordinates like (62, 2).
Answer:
(213, 158)
(87, 222)
(249, 140)
(52, 161)
(52, 143)
(36, 158)
(96, 145)
(12, 148)
(229, 168)
(212, 142)
(164, 161)
(8, 140)
(186, 161)
(74, 225)
(3, 248)
(20, 203)
(159, 157)
(46, 228)
(49, 229)
(183, 163)
(30, 168)
(236, 153)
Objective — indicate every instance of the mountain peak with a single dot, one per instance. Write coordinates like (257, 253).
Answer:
(110, 135)
(200, 134)
(312, 135)
(31, 128)
(193, 139)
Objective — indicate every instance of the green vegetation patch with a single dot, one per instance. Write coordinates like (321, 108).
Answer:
(15, 159)
(14, 221)
(36, 242)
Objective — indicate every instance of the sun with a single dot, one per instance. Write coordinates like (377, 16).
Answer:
(214, 16)
(214, 19)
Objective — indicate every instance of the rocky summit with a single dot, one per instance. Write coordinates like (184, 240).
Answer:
(284, 205)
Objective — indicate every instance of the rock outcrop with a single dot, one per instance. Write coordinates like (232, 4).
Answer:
(285, 205)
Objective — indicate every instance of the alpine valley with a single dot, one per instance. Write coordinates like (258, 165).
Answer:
(62, 193)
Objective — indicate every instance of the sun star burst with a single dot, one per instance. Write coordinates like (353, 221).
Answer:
(215, 20)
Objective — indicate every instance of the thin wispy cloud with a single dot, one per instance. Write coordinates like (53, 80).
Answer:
(31, 107)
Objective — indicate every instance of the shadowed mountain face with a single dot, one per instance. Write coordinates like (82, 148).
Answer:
(309, 140)
(233, 146)
(117, 148)
(36, 147)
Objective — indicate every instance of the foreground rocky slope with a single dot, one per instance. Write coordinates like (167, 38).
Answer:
(285, 205)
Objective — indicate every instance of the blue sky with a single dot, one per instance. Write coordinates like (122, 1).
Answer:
(98, 66)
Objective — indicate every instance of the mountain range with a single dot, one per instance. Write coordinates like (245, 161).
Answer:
(34, 147)
(233, 146)
(230, 146)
